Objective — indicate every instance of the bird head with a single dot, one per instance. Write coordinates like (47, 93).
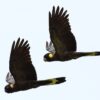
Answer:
(10, 88)
(50, 57)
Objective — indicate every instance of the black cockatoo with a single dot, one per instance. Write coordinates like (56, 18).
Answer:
(63, 43)
(22, 75)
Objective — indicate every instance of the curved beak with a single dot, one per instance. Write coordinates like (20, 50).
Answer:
(45, 59)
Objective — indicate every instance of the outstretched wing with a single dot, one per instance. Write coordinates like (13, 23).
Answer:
(60, 31)
(20, 62)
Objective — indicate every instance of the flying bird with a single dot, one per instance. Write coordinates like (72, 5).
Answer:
(22, 74)
(63, 45)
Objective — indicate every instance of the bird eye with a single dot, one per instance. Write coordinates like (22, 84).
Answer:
(50, 55)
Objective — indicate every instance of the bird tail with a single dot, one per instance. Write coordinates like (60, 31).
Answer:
(52, 81)
(81, 54)
(93, 53)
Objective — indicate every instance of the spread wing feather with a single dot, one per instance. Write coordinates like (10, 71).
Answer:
(60, 31)
(20, 62)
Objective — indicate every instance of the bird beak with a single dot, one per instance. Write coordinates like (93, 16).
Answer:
(45, 59)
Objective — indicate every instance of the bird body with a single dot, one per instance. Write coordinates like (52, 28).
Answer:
(25, 85)
(69, 56)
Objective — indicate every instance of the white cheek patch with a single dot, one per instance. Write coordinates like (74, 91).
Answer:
(12, 85)
(50, 55)
(10, 78)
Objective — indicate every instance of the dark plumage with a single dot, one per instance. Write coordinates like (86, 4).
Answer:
(23, 74)
(64, 42)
